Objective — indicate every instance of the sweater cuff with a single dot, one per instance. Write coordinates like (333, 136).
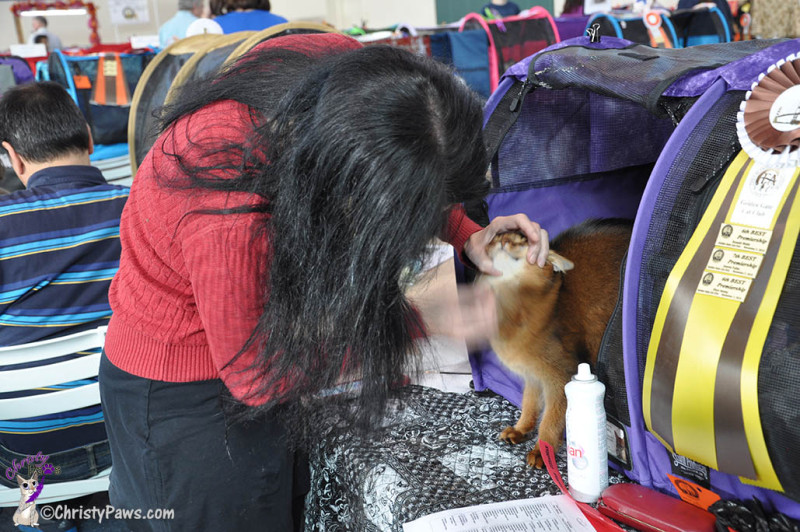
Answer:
(460, 228)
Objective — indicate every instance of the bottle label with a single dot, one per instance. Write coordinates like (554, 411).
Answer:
(577, 456)
(587, 457)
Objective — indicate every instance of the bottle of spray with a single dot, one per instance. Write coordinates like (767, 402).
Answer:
(587, 455)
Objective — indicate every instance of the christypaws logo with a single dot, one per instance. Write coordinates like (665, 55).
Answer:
(35, 463)
(30, 488)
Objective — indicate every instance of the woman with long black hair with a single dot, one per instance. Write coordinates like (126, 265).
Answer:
(264, 246)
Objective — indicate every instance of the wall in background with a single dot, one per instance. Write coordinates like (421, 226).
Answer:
(74, 30)
(377, 13)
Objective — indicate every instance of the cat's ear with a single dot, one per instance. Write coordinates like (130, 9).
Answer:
(560, 264)
(20, 480)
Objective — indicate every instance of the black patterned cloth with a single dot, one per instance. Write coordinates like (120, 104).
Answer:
(435, 451)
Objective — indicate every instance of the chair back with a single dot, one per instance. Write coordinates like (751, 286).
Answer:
(82, 367)
(15, 380)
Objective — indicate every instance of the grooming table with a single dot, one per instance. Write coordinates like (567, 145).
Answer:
(435, 452)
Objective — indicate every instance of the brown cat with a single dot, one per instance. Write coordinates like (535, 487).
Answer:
(552, 318)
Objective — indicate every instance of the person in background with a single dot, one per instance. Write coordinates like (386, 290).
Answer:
(500, 9)
(244, 15)
(41, 39)
(265, 246)
(59, 249)
(51, 40)
(175, 28)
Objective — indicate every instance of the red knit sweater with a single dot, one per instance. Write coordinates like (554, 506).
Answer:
(187, 294)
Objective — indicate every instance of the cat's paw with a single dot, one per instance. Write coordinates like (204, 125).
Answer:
(534, 457)
(512, 435)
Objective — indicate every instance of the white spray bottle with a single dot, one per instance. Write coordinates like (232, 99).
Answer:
(587, 455)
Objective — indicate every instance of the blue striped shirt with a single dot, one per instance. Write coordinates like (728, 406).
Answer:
(59, 249)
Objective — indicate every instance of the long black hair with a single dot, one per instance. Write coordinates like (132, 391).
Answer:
(361, 155)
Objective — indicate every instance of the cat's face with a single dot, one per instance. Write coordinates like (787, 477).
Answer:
(27, 487)
(508, 253)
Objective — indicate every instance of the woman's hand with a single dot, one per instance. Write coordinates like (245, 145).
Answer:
(468, 314)
(538, 241)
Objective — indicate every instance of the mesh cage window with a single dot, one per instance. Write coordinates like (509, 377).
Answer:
(56, 71)
(573, 132)
(211, 62)
(606, 27)
(638, 73)
(515, 40)
(153, 95)
(634, 30)
(698, 23)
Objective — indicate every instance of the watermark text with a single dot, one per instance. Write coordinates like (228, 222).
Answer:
(60, 511)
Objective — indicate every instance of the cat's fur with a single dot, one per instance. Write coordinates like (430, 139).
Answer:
(550, 319)
(26, 513)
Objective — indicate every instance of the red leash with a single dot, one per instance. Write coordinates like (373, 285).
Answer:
(600, 522)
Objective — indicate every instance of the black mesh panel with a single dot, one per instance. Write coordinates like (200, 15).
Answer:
(779, 383)
(638, 73)
(634, 30)
(211, 61)
(133, 66)
(56, 70)
(605, 27)
(610, 363)
(519, 39)
(573, 132)
(152, 97)
(695, 22)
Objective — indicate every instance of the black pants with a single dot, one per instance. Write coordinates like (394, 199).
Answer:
(172, 449)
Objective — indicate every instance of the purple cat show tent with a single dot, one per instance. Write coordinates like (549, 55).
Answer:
(611, 129)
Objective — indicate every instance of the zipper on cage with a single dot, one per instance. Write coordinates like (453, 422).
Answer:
(516, 103)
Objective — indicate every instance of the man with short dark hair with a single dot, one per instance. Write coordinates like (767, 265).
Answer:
(41, 35)
(59, 249)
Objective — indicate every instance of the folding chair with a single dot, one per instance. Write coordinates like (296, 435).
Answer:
(17, 380)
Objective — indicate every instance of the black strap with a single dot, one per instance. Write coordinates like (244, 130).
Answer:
(502, 118)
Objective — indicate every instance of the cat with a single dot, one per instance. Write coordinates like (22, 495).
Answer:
(26, 513)
(550, 319)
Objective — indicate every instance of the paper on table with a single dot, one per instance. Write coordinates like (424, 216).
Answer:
(551, 513)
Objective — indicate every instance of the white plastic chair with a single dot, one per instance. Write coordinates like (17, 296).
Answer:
(82, 367)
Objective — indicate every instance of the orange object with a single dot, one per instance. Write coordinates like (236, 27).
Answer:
(82, 82)
(693, 493)
(110, 87)
(658, 37)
